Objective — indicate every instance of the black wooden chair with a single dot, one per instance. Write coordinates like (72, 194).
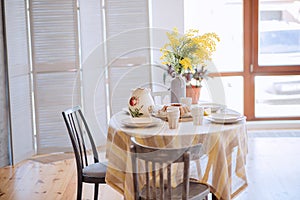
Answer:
(79, 132)
(159, 160)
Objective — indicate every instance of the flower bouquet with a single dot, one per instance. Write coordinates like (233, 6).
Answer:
(187, 55)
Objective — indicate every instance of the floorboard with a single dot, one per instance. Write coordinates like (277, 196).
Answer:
(273, 171)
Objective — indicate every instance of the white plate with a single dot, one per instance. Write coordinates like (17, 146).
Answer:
(126, 110)
(141, 122)
(214, 107)
(224, 118)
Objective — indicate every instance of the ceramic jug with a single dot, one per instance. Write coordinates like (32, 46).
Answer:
(141, 102)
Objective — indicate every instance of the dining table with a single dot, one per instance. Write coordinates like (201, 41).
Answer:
(222, 167)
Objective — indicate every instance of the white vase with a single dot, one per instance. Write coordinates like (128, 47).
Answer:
(178, 89)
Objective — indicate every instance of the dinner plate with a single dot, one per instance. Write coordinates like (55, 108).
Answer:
(214, 107)
(141, 122)
(126, 110)
(225, 118)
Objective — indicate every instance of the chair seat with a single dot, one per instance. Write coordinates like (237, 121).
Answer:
(196, 191)
(95, 170)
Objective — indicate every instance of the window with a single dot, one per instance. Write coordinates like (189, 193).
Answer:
(217, 16)
(276, 59)
(260, 43)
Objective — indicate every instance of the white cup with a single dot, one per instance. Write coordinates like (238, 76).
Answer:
(173, 115)
(187, 101)
(197, 113)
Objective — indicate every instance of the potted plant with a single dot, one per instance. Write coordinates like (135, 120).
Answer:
(193, 83)
(186, 56)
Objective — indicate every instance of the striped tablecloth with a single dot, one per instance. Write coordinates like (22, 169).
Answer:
(222, 167)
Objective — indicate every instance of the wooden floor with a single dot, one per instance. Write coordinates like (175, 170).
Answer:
(273, 170)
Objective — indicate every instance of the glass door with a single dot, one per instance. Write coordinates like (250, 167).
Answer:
(275, 67)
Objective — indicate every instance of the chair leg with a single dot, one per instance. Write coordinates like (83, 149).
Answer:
(213, 197)
(79, 190)
(96, 189)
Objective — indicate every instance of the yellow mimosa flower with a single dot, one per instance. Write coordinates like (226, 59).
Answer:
(186, 63)
(185, 53)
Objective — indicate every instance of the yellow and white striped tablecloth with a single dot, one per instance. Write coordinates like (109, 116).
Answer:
(223, 166)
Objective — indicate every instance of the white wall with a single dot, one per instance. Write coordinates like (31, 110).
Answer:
(93, 69)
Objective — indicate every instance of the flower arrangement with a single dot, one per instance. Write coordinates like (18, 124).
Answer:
(187, 54)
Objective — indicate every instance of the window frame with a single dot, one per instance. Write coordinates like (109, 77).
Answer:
(251, 66)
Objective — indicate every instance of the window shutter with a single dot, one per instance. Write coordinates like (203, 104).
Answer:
(56, 70)
(4, 158)
(127, 47)
(19, 80)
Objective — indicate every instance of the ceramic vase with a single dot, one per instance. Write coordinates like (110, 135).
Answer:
(178, 89)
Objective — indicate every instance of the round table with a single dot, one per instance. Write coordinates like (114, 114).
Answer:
(222, 167)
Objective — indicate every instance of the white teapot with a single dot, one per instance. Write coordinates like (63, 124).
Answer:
(141, 103)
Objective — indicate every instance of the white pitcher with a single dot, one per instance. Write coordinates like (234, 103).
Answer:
(141, 103)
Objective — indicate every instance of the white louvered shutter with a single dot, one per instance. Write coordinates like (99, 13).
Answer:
(56, 70)
(19, 80)
(127, 46)
(4, 155)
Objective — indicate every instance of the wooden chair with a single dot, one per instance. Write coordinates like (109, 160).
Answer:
(160, 160)
(79, 132)
(161, 97)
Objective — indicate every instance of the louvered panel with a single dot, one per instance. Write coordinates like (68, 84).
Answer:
(54, 93)
(127, 30)
(21, 117)
(16, 31)
(128, 49)
(133, 43)
(19, 81)
(4, 158)
(137, 19)
(126, 15)
(54, 35)
(124, 80)
(55, 52)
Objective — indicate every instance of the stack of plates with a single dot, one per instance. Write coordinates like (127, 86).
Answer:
(225, 118)
(141, 122)
(214, 107)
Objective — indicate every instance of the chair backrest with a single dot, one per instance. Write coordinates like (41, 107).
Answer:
(79, 132)
(159, 159)
(161, 97)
